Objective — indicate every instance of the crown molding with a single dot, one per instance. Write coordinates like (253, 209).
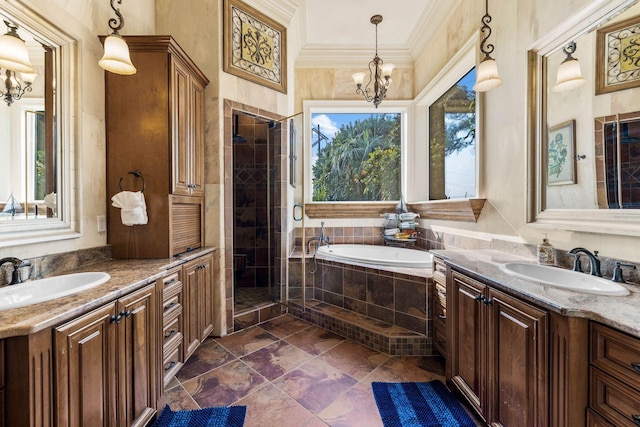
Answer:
(329, 56)
(430, 22)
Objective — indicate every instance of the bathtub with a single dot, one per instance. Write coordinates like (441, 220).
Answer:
(378, 255)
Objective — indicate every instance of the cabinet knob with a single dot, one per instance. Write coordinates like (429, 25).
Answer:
(479, 297)
(442, 316)
(170, 365)
(167, 307)
(115, 318)
(170, 334)
(636, 366)
(636, 419)
(125, 313)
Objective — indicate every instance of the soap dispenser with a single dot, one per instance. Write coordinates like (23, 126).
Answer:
(546, 253)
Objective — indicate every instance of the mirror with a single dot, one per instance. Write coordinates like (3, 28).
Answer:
(568, 163)
(26, 146)
(35, 142)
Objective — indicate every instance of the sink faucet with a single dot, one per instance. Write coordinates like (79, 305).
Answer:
(321, 239)
(594, 267)
(15, 277)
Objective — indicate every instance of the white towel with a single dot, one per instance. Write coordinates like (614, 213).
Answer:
(133, 209)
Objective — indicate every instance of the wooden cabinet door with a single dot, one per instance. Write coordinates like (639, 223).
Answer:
(85, 374)
(517, 356)
(466, 338)
(138, 356)
(190, 309)
(196, 163)
(180, 131)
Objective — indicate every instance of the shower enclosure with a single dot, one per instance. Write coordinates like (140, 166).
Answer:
(257, 218)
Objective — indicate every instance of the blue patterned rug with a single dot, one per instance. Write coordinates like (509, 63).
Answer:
(222, 416)
(419, 405)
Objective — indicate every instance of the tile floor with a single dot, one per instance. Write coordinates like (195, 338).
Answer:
(290, 373)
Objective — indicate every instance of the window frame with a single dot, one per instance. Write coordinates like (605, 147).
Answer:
(450, 74)
(311, 107)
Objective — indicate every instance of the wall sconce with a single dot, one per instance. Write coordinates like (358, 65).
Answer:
(379, 74)
(15, 87)
(116, 57)
(13, 51)
(487, 76)
(569, 73)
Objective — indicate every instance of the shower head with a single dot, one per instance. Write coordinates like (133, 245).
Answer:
(272, 124)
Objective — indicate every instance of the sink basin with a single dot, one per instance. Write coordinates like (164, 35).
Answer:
(48, 288)
(565, 279)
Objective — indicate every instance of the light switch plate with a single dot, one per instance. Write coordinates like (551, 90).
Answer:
(102, 223)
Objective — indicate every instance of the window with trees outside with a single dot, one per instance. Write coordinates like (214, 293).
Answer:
(356, 156)
(452, 142)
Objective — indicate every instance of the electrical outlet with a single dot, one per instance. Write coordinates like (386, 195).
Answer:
(102, 223)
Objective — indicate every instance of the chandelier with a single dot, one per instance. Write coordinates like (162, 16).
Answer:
(379, 74)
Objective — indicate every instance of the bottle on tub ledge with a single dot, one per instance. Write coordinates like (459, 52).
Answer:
(546, 252)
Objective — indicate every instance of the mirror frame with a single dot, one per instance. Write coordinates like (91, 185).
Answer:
(67, 224)
(620, 221)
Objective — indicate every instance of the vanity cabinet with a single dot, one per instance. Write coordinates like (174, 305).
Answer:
(614, 373)
(155, 128)
(497, 347)
(198, 302)
(106, 364)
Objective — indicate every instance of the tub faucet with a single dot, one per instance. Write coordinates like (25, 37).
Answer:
(15, 276)
(321, 239)
(594, 262)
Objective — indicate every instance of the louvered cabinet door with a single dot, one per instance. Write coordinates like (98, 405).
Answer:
(187, 227)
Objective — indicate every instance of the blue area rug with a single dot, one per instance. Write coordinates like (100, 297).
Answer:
(419, 405)
(222, 416)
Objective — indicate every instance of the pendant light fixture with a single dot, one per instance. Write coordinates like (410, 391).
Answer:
(569, 74)
(487, 76)
(379, 74)
(14, 55)
(116, 57)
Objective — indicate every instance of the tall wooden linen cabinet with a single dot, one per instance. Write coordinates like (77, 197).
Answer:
(155, 143)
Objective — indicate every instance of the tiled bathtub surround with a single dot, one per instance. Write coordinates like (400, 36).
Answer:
(375, 296)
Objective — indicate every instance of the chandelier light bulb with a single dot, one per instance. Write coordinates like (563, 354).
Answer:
(13, 51)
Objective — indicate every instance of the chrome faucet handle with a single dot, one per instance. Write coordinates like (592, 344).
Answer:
(617, 271)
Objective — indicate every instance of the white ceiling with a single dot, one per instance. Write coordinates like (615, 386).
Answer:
(339, 32)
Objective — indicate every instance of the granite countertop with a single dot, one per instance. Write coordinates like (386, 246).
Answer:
(620, 312)
(127, 275)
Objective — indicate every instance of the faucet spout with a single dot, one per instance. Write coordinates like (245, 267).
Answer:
(594, 262)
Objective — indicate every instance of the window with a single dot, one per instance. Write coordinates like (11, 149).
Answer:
(356, 154)
(452, 142)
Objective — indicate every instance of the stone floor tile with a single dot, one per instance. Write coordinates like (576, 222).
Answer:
(315, 340)
(276, 359)
(208, 356)
(354, 359)
(247, 341)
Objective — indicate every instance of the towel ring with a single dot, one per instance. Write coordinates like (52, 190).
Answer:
(138, 174)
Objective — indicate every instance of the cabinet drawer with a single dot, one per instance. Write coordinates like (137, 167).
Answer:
(595, 420)
(439, 272)
(440, 337)
(440, 301)
(171, 363)
(614, 400)
(171, 278)
(172, 329)
(172, 297)
(616, 353)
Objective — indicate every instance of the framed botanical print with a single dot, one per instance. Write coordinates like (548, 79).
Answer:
(618, 56)
(255, 46)
(560, 154)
